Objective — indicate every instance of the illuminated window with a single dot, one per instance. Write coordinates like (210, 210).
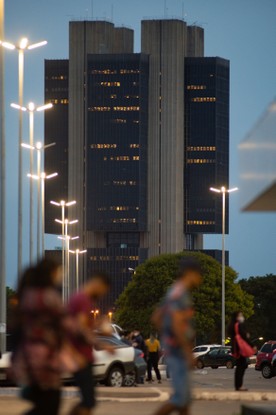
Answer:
(134, 108)
(110, 83)
(101, 109)
(113, 96)
(136, 121)
(103, 72)
(54, 101)
(134, 145)
(103, 146)
(124, 220)
(132, 96)
(196, 87)
(119, 208)
(204, 99)
(201, 148)
(201, 222)
(200, 161)
(119, 158)
(119, 121)
(64, 101)
(129, 71)
(57, 77)
(136, 158)
(124, 183)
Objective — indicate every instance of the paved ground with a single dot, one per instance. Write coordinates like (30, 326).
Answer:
(213, 389)
(12, 406)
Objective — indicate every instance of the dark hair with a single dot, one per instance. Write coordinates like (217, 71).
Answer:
(188, 264)
(231, 326)
(38, 276)
(102, 276)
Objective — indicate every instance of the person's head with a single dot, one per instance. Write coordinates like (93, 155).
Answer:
(238, 316)
(46, 274)
(152, 337)
(190, 272)
(98, 285)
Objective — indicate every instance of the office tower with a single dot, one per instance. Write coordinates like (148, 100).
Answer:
(129, 144)
(206, 144)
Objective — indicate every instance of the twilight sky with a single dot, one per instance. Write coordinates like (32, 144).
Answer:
(243, 31)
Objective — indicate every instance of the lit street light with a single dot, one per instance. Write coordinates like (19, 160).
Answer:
(66, 240)
(31, 108)
(95, 313)
(223, 190)
(3, 311)
(21, 47)
(63, 205)
(41, 208)
(77, 252)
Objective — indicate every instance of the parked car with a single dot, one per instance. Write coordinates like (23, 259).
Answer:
(109, 369)
(264, 359)
(220, 356)
(203, 349)
(137, 376)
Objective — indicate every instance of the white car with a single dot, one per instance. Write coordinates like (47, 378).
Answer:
(203, 349)
(110, 369)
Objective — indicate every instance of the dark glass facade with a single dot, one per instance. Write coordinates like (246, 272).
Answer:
(56, 130)
(116, 185)
(206, 143)
(120, 265)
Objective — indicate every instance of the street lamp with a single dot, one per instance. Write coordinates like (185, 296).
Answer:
(223, 190)
(31, 108)
(95, 313)
(41, 208)
(3, 311)
(66, 242)
(77, 252)
(21, 47)
(63, 205)
(110, 314)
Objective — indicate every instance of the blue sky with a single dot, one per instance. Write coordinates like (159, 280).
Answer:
(243, 31)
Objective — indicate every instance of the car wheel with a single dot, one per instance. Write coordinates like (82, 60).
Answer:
(267, 371)
(214, 367)
(229, 364)
(130, 379)
(199, 364)
(115, 377)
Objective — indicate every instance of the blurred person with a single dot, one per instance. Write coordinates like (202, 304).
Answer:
(39, 336)
(237, 326)
(138, 342)
(79, 309)
(174, 320)
(153, 352)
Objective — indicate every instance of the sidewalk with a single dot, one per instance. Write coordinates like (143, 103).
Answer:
(155, 394)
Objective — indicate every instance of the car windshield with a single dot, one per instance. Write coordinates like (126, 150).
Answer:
(267, 348)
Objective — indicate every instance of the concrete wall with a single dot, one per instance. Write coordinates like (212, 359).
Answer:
(165, 42)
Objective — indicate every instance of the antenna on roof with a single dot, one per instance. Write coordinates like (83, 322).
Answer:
(165, 8)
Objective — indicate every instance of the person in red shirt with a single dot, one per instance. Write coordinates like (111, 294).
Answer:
(79, 309)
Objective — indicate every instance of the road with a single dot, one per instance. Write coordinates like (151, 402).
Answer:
(220, 381)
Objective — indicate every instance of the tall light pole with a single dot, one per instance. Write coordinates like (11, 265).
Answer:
(22, 46)
(223, 190)
(78, 252)
(62, 204)
(41, 210)
(3, 316)
(31, 108)
(66, 240)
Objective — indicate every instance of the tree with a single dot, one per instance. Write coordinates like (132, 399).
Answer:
(262, 322)
(151, 281)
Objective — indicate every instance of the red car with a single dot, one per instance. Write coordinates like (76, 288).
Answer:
(264, 358)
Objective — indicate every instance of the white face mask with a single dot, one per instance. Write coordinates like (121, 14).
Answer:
(241, 319)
